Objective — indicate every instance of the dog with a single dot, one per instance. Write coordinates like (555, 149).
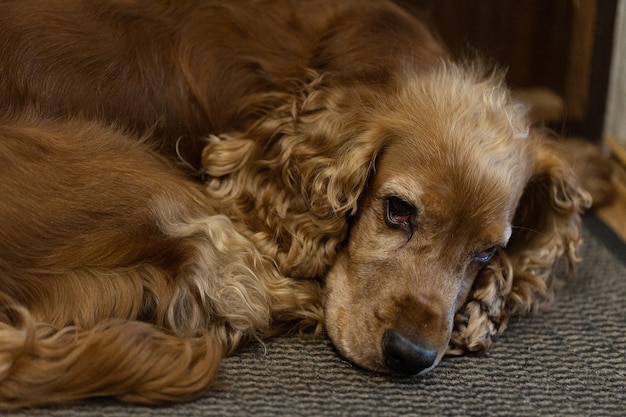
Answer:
(354, 175)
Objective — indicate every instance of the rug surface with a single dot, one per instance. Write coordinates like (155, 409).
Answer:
(569, 360)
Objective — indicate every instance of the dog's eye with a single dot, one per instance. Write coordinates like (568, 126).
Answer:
(399, 212)
(485, 256)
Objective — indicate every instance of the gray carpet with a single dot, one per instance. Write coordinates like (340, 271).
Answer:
(567, 361)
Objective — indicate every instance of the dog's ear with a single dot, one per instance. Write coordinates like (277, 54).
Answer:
(313, 144)
(296, 174)
(339, 180)
(546, 224)
(546, 229)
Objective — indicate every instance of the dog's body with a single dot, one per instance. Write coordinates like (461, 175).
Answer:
(189, 68)
(338, 141)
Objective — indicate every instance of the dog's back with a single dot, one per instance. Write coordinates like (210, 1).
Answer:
(188, 68)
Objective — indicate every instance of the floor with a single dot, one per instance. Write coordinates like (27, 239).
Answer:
(615, 214)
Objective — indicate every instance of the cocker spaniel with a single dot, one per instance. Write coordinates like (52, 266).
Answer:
(353, 175)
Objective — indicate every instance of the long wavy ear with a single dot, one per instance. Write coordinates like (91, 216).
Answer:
(521, 277)
(296, 175)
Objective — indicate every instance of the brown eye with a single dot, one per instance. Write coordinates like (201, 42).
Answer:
(485, 256)
(399, 212)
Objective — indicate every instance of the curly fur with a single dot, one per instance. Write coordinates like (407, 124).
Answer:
(521, 278)
(354, 175)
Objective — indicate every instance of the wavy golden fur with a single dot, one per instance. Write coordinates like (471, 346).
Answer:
(353, 175)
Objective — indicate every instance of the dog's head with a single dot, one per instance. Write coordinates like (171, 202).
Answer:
(455, 211)
(454, 160)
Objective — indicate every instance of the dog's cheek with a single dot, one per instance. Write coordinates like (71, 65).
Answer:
(466, 286)
(337, 303)
(346, 320)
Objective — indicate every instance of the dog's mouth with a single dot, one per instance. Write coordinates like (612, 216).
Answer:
(398, 352)
(389, 324)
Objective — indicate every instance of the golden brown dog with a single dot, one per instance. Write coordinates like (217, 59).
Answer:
(354, 174)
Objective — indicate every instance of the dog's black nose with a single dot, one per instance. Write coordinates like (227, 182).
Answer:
(405, 355)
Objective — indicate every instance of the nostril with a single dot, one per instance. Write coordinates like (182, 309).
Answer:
(405, 355)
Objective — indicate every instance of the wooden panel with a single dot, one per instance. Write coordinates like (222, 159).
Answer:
(561, 46)
(526, 36)
(579, 68)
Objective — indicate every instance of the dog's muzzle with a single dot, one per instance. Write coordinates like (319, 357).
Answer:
(406, 355)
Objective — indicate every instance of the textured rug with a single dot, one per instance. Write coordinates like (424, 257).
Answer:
(569, 360)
